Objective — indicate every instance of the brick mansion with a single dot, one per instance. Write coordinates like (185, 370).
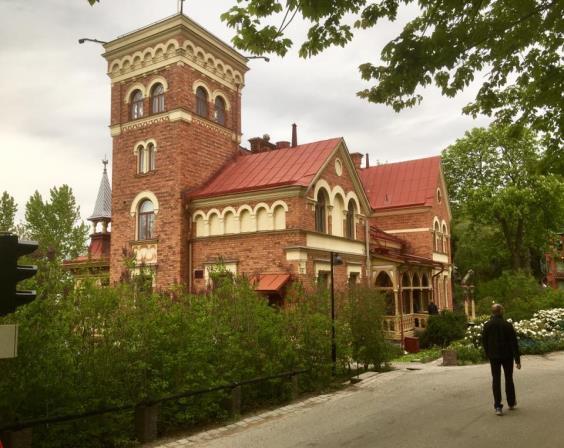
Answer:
(186, 195)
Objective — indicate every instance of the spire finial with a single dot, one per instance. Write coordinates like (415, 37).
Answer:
(181, 6)
(105, 162)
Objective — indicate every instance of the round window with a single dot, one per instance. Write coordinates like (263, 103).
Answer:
(338, 167)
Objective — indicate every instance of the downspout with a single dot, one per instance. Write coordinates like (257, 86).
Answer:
(190, 253)
(368, 260)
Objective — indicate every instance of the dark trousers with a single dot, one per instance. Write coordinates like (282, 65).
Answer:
(496, 365)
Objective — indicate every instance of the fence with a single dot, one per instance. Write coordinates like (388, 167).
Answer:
(146, 414)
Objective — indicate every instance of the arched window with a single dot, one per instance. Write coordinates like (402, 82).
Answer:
(437, 232)
(141, 159)
(136, 105)
(351, 212)
(220, 110)
(146, 158)
(417, 305)
(157, 99)
(384, 285)
(406, 293)
(146, 220)
(321, 211)
(202, 102)
(445, 244)
(152, 157)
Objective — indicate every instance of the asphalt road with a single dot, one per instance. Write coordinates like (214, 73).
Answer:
(428, 408)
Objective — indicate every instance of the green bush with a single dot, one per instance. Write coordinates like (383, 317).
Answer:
(468, 353)
(444, 328)
(93, 348)
(519, 293)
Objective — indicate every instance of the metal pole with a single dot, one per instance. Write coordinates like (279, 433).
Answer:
(333, 337)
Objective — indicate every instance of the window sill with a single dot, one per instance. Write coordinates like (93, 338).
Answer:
(141, 242)
(148, 173)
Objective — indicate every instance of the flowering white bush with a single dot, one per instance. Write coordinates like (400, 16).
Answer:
(545, 325)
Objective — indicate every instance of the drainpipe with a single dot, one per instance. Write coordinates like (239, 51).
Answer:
(189, 253)
(368, 260)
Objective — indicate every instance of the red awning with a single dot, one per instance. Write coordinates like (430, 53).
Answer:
(271, 282)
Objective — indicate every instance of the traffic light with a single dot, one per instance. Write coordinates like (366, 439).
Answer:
(10, 273)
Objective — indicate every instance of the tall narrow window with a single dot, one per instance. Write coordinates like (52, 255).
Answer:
(152, 156)
(437, 231)
(220, 110)
(350, 219)
(202, 102)
(320, 212)
(146, 220)
(136, 105)
(157, 99)
(141, 162)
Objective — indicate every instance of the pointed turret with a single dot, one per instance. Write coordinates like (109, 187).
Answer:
(100, 238)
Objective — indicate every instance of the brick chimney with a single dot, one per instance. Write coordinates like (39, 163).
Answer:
(357, 159)
(283, 144)
(261, 144)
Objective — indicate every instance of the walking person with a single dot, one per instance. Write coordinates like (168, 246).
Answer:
(502, 349)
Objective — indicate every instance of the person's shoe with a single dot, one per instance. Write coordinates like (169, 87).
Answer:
(498, 411)
(512, 408)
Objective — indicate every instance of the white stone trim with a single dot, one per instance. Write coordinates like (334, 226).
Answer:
(144, 195)
(157, 80)
(133, 88)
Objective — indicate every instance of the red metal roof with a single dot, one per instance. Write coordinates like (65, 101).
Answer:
(272, 282)
(279, 167)
(402, 184)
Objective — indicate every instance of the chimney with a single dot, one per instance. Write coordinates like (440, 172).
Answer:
(282, 144)
(367, 160)
(294, 135)
(261, 144)
(357, 159)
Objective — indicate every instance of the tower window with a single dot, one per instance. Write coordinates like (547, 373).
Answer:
(146, 158)
(136, 105)
(146, 220)
(202, 102)
(220, 110)
(157, 99)
(141, 159)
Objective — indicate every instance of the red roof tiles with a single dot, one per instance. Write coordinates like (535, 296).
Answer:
(280, 167)
(402, 184)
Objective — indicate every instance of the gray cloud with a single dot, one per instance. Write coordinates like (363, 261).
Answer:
(56, 95)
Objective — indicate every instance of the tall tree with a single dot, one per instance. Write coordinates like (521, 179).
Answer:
(55, 224)
(514, 45)
(8, 209)
(498, 189)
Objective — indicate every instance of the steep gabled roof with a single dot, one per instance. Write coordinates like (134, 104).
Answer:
(280, 167)
(402, 184)
(103, 207)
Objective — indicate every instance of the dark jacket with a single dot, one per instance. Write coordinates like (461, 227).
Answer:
(499, 340)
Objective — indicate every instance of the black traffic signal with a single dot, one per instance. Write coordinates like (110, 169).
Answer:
(10, 273)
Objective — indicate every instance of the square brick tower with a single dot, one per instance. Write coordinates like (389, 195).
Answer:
(175, 121)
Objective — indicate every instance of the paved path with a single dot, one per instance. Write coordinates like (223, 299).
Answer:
(428, 408)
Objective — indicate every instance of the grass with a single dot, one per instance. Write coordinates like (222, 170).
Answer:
(427, 355)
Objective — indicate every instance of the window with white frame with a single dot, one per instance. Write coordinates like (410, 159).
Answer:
(220, 110)
(146, 220)
(136, 104)
(202, 102)
(146, 158)
(157, 99)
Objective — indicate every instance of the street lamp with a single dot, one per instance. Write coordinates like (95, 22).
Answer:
(335, 261)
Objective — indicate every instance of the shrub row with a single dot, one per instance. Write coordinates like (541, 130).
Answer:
(94, 348)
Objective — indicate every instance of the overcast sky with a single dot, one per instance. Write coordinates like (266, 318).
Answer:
(56, 94)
